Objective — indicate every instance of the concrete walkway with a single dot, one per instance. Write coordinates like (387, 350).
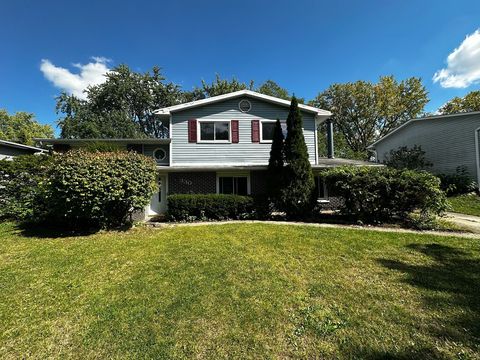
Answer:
(468, 222)
(321, 225)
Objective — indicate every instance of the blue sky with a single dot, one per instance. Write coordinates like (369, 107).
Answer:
(303, 45)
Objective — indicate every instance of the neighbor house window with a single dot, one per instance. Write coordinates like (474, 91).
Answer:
(214, 131)
(237, 185)
(268, 128)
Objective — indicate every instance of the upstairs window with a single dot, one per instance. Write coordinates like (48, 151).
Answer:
(268, 128)
(214, 131)
(237, 185)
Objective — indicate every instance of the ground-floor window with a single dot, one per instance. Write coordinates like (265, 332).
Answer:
(321, 187)
(237, 185)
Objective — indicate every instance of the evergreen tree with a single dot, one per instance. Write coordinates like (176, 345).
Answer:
(275, 166)
(298, 192)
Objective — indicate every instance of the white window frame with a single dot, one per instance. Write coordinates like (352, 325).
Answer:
(158, 161)
(261, 129)
(234, 174)
(199, 134)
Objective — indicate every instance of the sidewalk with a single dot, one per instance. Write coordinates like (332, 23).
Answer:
(468, 222)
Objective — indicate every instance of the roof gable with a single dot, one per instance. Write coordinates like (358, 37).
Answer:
(319, 113)
(425, 118)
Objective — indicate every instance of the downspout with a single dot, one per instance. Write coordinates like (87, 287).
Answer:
(330, 149)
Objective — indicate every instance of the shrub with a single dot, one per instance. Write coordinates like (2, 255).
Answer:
(191, 207)
(298, 186)
(408, 158)
(458, 183)
(96, 189)
(373, 194)
(19, 185)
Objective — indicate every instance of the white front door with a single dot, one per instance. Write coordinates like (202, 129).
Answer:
(158, 202)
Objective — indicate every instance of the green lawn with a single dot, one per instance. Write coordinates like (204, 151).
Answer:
(465, 204)
(239, 291)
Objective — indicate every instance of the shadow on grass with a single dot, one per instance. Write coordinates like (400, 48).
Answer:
(452, 285)
(44, 231)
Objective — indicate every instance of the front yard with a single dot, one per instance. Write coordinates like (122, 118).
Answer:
(468, 204)
(239, 291)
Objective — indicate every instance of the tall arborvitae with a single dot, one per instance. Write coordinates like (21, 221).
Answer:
(298, 182)
(275, 166)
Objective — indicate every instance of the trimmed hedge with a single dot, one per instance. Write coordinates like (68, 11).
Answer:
(191, 207)
(381, 194)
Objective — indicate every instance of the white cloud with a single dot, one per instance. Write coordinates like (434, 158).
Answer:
(463, 64)
(92, 73)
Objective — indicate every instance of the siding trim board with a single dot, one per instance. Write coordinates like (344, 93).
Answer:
(477, 156)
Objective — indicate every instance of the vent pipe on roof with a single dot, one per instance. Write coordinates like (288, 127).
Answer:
(330, 151)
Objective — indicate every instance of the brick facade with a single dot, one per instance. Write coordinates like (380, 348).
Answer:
(258, 182)
(192, 183)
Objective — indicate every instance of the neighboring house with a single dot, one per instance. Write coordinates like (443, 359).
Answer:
(449, 142)
(220, 145)
(9, 149)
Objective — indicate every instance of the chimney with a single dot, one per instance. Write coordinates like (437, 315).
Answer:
(330, 152)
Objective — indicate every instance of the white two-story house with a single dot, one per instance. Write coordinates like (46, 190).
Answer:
(220, 145)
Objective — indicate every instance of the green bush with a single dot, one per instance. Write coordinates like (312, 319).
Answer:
(408, 158)
(96, 189)
(19, 185)
(381, 194)
(458, 183)
(191, 207)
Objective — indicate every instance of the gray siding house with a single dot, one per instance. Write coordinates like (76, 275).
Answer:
(9, 149)
(219, 145)
(449, 142)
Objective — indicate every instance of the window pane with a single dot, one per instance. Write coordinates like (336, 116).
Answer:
(268, 128)
(226, 185)
(320, 187)
(206, 131)
(222, 131)
(241, 186)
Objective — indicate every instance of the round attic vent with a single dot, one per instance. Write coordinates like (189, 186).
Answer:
(244, 106)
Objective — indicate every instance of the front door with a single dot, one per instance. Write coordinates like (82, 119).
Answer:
(158, 202)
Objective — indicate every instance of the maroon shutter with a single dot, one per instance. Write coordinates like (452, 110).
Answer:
(234, 131)
(255, 131)
(192, 131)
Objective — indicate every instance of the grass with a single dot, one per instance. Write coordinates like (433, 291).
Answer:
(465, 204)
(239, 291)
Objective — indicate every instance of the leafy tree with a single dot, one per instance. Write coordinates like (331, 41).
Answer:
(298, 187)
(364, 111)
(121, 107)
(275, 165)
(271, 88)
(408, 158)
(219, 87)
(22, 127)
(342, 150)
(470, 102)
